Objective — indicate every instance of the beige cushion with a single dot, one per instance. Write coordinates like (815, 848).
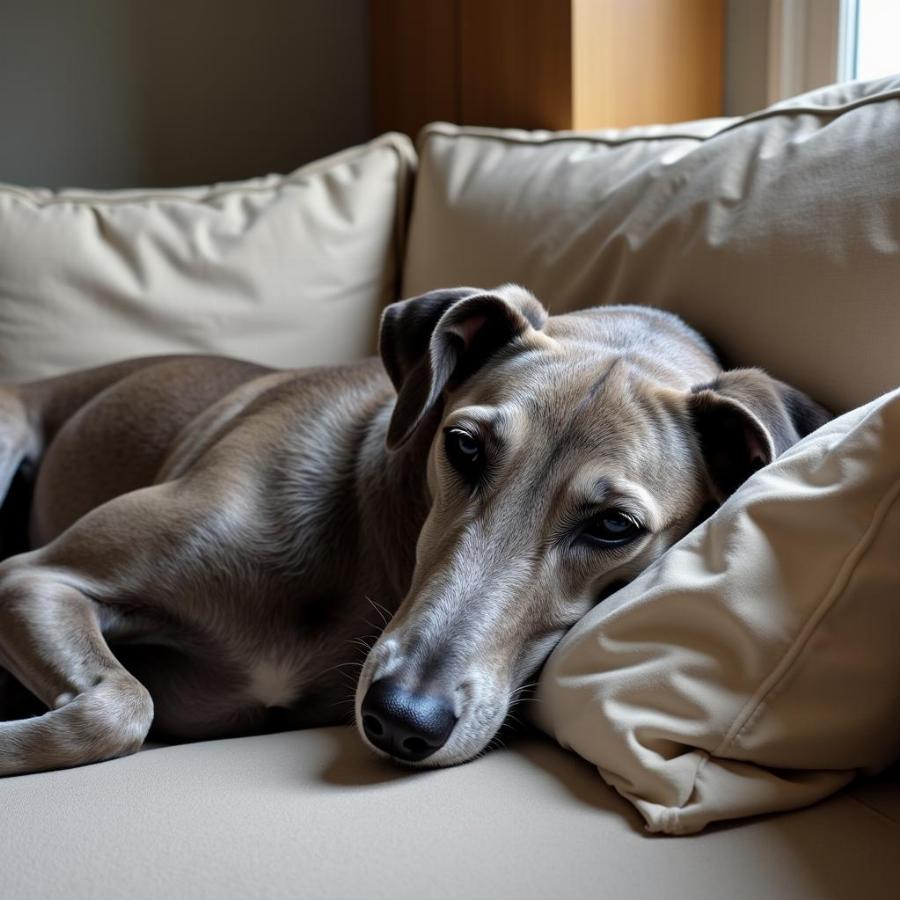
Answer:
(755, 666)
(776, 235)
(313, 814)
(285, 270)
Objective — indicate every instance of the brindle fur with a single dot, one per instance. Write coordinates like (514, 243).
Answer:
(214, 541)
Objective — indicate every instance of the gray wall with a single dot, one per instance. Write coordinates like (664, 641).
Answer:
(116, 93)
(121, 93)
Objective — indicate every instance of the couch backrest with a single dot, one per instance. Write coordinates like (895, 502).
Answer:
(286, 270)
(777, 235)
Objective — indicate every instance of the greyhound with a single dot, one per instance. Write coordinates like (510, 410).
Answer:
(211, 537)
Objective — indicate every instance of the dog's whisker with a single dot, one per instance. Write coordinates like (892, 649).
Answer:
(383, 611)
(523, 700)
(353, 662)
(343, 701)
(363, 644)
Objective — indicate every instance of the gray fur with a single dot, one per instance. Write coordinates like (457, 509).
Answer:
(215, 541)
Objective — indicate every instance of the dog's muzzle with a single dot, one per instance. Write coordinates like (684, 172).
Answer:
(406, 725)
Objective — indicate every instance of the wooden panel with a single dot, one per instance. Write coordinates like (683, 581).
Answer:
(646, 61)
(516, 63)
(415, 62)
(553, 64)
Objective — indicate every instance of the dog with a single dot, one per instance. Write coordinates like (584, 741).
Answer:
(211, 537)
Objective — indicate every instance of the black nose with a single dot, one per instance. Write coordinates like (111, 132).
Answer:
(408, 726)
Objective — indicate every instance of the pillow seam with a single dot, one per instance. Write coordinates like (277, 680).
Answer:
(831, 112)
(795, 652)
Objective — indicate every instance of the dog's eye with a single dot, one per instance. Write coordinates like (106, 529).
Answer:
(611, 528)
(465, 452)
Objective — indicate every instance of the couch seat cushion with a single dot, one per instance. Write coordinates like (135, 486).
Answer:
(313, 814)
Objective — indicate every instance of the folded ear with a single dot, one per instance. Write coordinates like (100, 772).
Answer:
(744, 419)
(436, 341)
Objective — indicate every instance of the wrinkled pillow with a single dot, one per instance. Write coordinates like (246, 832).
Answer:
(756, 666)
(775, 235)
(286, 270)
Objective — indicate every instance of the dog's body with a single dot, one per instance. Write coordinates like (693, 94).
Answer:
(229, 558)
(234, 533)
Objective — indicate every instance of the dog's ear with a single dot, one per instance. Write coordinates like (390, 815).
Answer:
(744, 419)
(436, 341)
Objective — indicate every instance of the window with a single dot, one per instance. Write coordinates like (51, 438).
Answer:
(816, 42)
(872, 34)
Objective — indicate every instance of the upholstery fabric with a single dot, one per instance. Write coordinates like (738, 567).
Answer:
(284, 270)
(776, 235)
(313, 815)
(755, 666)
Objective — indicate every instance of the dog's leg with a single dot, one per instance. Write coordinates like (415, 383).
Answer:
(138, 558)
(50, 640)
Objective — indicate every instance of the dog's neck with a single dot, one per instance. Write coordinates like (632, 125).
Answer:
(394, 499)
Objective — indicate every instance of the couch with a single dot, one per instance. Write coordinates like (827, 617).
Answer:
(777, 235)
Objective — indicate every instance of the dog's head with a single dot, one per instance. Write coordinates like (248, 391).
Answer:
(566, 454)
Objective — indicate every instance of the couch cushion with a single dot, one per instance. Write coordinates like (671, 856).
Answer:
(777, 235)
(285, 270)
(755, 666)
(313, 814)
